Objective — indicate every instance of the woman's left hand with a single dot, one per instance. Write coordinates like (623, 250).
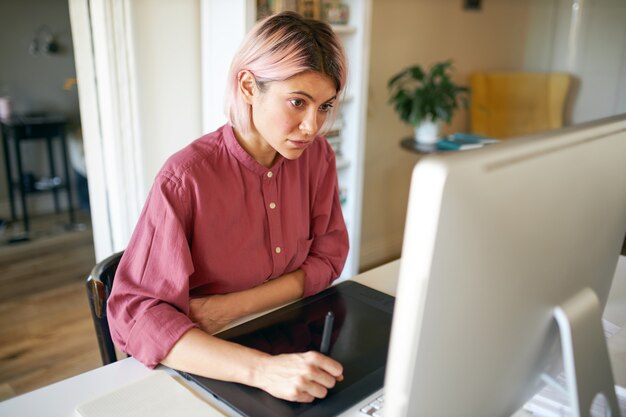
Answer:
(211, 313)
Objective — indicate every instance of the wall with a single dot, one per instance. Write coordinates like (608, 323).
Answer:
(586, 38)
(405, 32)
(35, 82)
(167, 54)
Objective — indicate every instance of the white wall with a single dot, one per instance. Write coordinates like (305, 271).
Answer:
(218, 51)
(586, 38)
(167, 53)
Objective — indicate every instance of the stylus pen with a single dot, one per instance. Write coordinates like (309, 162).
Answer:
(328, 330)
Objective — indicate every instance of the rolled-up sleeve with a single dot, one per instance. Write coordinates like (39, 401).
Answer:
(148, 306)
(330, 245)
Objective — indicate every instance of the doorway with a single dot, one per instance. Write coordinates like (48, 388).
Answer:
(46, 332)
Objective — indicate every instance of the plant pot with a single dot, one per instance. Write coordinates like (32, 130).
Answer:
(427, 132)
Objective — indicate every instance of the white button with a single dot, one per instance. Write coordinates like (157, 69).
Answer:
(277, 249)
(269, 174)
(272, 205)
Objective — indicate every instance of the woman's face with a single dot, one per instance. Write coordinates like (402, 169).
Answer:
(288, 114)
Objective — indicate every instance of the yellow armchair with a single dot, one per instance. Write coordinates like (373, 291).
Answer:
(507, 104)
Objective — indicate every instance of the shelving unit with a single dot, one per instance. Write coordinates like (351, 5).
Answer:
(355, 37)
(350, 125)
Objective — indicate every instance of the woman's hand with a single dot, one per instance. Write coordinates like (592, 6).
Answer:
(212, 313)
(300, 377)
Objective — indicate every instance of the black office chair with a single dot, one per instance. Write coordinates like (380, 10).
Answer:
(99, 284)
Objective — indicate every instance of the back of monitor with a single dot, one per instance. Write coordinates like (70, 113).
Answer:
(495, 240)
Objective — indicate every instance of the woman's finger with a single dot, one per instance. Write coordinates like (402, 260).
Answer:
(327, 364)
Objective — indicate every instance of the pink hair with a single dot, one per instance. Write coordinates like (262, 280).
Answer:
(280, 47)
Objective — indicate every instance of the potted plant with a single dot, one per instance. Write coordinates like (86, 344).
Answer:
(425, 99)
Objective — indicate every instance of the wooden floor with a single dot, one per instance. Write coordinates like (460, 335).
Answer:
(46, 332)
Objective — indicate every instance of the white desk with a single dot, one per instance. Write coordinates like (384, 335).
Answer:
(59, 399)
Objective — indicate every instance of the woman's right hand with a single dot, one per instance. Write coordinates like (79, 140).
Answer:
(300, 377)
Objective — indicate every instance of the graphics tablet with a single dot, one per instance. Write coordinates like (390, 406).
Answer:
(359, 341)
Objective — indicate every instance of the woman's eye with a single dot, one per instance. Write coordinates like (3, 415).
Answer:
(297, 102)
(326, 107)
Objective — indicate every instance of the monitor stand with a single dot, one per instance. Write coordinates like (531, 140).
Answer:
(585, 354)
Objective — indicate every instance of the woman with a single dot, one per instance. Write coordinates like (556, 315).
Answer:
(244, 219)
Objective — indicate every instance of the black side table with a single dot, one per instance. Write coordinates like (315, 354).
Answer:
(22, 128)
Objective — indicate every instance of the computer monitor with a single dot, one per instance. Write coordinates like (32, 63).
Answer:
(507, 251)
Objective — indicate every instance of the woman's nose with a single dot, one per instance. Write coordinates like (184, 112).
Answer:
(309, 126)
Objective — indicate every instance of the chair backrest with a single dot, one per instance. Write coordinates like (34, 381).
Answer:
(99, 284)
(508, 104)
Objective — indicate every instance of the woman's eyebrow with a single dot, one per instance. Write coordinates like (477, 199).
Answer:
(310, 97)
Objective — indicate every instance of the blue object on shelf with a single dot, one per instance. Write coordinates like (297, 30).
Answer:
(463, 141)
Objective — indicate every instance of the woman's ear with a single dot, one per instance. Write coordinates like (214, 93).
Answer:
(247, 85)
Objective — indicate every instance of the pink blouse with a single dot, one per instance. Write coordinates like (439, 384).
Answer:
(216, 221)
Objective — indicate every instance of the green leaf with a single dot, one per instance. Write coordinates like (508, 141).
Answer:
(417, 72)
(396, 79)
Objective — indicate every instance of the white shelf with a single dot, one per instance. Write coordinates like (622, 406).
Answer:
(338, 124)
(355, 37)
(343, 29)
(342, 164)
(345, 99)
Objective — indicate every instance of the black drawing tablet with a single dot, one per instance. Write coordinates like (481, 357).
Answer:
(360, 340)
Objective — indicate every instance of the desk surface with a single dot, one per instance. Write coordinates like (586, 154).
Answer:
(60, 399)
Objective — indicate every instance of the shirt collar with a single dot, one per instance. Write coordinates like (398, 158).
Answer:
(244, 158)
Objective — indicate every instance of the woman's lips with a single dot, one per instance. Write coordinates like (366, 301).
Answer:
(300, 143)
